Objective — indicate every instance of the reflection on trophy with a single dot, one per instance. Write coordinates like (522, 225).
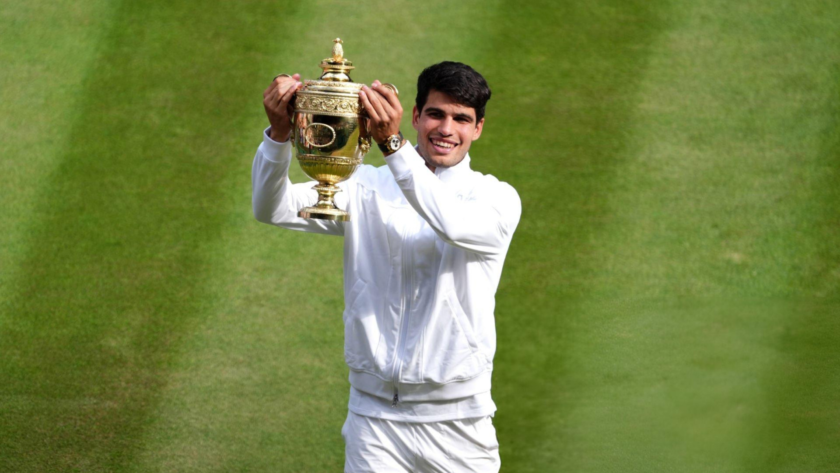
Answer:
(330, 133)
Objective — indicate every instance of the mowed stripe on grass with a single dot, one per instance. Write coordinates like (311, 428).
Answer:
(46, 50)
(116, 267)
(695, 342)
(566, 96)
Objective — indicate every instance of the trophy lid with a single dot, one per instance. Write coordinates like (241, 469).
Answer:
(336, 68)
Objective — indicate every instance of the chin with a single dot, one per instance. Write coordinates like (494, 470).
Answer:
(449, 161)
(437, 162)
(440, 160)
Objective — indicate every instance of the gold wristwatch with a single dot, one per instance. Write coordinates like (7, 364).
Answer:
(392, 144)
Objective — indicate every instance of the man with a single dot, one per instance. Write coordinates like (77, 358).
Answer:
(423, 254)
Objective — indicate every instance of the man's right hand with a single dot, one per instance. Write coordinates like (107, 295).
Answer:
(277, 100)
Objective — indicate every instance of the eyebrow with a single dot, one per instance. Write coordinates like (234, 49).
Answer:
(457, 115)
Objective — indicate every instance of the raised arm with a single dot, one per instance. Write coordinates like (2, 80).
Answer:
(482, 223)
(275, 199)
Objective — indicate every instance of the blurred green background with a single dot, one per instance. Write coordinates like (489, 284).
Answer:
(670, 301)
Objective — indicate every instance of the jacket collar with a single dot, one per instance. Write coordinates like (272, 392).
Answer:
(456, 174)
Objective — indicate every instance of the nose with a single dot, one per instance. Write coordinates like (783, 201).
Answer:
(445, 127)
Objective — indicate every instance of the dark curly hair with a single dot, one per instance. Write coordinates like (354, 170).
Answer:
(457, 80)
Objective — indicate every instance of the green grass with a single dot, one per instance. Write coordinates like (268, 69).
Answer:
(669, 303)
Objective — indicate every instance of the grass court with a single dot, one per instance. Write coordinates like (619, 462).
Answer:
(670, 301)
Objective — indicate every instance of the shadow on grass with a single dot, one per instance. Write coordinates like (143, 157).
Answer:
(120, 243)
(801, 429)
(573, 71)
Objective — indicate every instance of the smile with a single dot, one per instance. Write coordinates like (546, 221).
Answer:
(442, 144)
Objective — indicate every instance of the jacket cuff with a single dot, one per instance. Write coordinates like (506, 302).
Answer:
(274, 151)
(404, 160)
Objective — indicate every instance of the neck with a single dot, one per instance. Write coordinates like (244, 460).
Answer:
(431, 168)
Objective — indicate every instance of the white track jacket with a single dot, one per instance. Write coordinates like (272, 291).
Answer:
(423, 253)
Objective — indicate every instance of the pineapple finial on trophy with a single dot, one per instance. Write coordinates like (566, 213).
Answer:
(337, 67)
(338, 51)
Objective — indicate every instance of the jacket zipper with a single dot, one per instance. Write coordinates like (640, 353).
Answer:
(405, 307)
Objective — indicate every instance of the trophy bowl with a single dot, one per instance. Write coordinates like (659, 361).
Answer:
(330, 134)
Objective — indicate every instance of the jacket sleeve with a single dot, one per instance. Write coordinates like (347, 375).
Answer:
(275, 199)
(482, 225)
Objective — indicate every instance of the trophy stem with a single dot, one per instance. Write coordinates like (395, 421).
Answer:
(325, 209)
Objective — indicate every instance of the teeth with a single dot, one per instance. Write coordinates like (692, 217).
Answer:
(442, 144)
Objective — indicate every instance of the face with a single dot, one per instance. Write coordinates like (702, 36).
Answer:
(445, 130)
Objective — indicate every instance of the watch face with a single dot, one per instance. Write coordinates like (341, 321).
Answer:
(394, 143)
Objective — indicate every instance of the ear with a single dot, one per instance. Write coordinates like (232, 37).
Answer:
(415, 117)
(478, 127)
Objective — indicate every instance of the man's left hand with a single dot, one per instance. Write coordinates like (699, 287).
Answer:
(383, 107)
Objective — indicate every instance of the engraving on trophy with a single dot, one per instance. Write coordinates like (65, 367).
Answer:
(328, 106)
(319, 135)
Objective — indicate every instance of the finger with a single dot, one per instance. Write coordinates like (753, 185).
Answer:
(287, 97)
(376, 101)
(294, 88)
(280, 81)
(386, 107)
(363, 97)
(391, 100)
(271, 96)
(283, 90)
(275, 84)
(376, 84)
(282, 87)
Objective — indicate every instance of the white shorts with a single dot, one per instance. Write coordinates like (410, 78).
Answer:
(386, 446)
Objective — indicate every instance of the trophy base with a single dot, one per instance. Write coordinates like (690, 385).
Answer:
(321, 213)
